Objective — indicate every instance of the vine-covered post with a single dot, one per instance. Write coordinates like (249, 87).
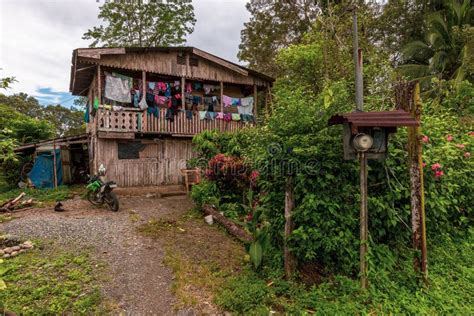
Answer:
(364, 219)
(290, 261)
(417, 188)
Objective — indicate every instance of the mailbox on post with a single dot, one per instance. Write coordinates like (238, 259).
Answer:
(361, 129)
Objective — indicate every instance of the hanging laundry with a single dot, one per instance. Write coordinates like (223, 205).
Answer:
(202, 115)
(189, 88)
(189, 114)
(150, 99)
(197, 100)
(208, 88)
(151, 86)
(247, 117)
(136, 97)
(227, 101)
(235, 117)
(220, 116)
(96, 103)
(143, 105)
(246, 106)
(227, 117)
(168, 90)
(117, 88)
(117, 108)
(235, 102)
(86, 114)
(197, 86)
(153, 111)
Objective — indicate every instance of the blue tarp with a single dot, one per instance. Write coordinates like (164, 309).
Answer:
(42, 174)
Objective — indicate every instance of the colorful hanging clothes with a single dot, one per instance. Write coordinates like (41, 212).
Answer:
(136, 98)
(246, 106)
(189, 114)
(86, 114)
(235, 102)
(227, 117)
(220, 116)
(235, 117)
(118, 88)
(208, 88)
(202, 115)
(227, 101)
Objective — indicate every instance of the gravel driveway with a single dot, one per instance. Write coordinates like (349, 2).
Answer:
(139, 282)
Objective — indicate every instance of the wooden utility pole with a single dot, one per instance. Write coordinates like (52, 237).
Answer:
(289, 258)
(417, 187)
(363, 220)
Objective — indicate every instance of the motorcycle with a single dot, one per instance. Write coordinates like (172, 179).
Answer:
(99, 192)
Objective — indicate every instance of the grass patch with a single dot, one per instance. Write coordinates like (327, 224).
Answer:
(46, 196)
(5, 218)
(202, 257)
(51, 282)
(395, 290)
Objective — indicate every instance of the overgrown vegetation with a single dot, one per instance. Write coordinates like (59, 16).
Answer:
(316, 83)
(45, 282)
(43, 195)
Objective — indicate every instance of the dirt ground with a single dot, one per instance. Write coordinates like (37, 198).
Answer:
(138, 282)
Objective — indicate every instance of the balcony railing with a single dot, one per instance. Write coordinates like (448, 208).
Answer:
(131, 120)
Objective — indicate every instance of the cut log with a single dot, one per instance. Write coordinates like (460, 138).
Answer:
(9, 204)
(234, 229)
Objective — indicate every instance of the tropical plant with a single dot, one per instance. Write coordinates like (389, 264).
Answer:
(448, 42)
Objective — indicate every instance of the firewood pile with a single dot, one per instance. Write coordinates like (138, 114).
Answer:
(21, 202)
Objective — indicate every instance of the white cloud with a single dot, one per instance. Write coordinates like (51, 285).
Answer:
(37, 37)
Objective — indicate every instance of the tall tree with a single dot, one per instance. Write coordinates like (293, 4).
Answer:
(143, 24)
(274, 25)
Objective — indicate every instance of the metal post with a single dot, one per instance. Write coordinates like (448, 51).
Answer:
(359, 85)
(363, 219)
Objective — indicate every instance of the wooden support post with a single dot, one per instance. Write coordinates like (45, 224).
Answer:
(363, 220)
(99, 85)
(145, 113)
(222, 104)
(255, 101)
(417, 188)
(289, 258)
(183, 98)
(55, 175)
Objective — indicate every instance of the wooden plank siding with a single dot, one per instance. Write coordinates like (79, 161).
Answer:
(164, 63)
(160, 162)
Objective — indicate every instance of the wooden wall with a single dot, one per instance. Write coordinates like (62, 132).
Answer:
(159, 164)
(165, 63)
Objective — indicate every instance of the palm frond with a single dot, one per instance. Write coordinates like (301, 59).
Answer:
(417, 50)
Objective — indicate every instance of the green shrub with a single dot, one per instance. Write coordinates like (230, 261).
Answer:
(205, 192)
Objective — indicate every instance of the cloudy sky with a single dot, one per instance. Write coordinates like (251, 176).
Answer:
(37, 38)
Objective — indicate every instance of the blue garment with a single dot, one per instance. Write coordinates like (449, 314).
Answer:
(168, 90)
(136, 98)
(152, 110)
(247, 117)
(189, 114)
(86, 114)
(150, 99)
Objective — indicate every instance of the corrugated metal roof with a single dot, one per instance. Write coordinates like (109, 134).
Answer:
(397, 118)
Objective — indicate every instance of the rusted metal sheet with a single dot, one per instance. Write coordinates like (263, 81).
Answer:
(387, 119)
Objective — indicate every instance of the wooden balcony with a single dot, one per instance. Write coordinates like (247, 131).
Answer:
(135, 121)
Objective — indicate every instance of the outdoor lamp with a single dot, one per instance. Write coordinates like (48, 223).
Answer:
(362, 142)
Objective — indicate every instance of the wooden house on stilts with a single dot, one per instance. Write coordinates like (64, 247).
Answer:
(145, 105)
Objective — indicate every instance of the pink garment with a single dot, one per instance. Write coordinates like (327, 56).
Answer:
(161, 100)
(220, 115)
(227, 101)
(161, 86)
(189, 87)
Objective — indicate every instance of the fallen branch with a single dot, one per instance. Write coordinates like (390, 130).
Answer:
(234, 229)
